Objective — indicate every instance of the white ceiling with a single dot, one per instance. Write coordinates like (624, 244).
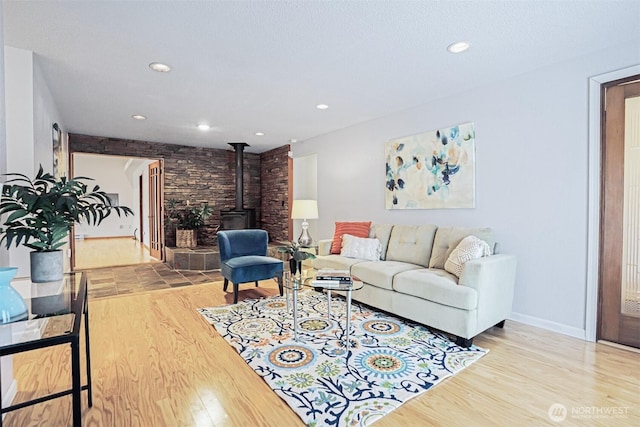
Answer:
(263, 65)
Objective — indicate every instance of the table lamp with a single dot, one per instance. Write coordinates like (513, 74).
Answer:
(305, 209)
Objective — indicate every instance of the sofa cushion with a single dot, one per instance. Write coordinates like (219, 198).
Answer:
(358, 229)
(447, 238)
(380, 274)
(411, 243)
(358, 247)
(381, 232)
(469, 248)
(436, 285)
(335, 262)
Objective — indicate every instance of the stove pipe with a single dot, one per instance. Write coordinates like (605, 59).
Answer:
(239, 149)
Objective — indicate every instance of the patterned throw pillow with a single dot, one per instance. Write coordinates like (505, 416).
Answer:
(469, 248)
(361, 248)
(358, 229)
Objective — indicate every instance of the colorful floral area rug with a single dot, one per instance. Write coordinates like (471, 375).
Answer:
(390, 360)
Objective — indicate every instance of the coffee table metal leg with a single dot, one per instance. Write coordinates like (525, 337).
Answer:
(286, 295)
(295, 312)
(328, 304)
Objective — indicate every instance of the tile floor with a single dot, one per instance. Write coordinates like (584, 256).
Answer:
(106, 282)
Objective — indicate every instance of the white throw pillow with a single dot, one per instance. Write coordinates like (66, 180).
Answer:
(469, 248)
(362, 248)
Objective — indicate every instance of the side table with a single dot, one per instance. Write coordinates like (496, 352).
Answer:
(55, 316)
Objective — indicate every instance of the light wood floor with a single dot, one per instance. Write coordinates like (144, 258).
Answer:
(109, 252)
(157, 363)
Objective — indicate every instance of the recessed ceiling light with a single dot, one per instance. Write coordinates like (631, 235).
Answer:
(293, 140)
(160, 67)
(204, 126)
(322, 106)
(139, 117)
(458, 47)
(259, 133)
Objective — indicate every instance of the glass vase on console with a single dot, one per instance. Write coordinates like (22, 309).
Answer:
(12, 305)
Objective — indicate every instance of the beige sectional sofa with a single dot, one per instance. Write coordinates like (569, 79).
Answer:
(410, 281)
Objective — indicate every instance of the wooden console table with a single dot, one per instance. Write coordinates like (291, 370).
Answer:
(56, 310)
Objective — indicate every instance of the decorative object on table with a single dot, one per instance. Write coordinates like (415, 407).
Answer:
(432, 170)
(390, 360)
(12, 305)
(332, 278)
(41, 212)
(296, 256)
(304, 210)
(188, 220)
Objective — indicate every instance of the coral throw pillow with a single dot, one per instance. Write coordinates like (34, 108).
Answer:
(357, 229)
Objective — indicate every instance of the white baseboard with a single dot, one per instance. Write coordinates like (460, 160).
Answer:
(549, 325)
(8, 397)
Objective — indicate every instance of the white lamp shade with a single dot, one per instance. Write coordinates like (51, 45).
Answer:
(304, 209)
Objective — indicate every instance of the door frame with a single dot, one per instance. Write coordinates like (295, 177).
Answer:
(593, 214)
(72, 160)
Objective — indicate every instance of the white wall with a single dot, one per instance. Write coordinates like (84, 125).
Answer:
(4, 254)
(531, 177)
(305, 178)
(8, 385)
(20, 136)
(140, 168)
(109, 173)
(30, 114)
(45, 114)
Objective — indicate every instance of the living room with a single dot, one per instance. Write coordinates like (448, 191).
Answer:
(537, 174)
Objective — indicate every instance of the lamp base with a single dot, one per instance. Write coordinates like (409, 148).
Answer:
(305, 238)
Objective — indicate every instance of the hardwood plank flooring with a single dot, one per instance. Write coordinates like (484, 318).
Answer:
(109, 252)
(156, 363)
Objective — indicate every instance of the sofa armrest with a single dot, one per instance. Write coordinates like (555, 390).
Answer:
(494, 279)
(324, 246)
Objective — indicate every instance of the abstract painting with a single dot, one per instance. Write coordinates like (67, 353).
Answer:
(431, 170)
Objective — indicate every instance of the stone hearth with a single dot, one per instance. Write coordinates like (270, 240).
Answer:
(201, 258)
(206, 258)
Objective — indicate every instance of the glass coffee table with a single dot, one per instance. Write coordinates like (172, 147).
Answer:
(293, 284)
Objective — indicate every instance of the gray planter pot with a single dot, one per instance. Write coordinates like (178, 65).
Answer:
(47, 266)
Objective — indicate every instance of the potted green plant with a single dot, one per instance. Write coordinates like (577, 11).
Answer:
(296, 256)
(41, 212)
(188, 220)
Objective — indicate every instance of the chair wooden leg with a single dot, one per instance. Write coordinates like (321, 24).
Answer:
(226, 284)
(279, 279)
(256, 283)
(235, 293)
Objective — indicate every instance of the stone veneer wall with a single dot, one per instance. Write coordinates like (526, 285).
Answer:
(199, 175)
(276, 190)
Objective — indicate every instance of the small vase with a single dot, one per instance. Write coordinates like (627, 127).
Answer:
(293, 266)
(12, 305)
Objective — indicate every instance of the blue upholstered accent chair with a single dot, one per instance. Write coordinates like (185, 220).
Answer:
(243, 258)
